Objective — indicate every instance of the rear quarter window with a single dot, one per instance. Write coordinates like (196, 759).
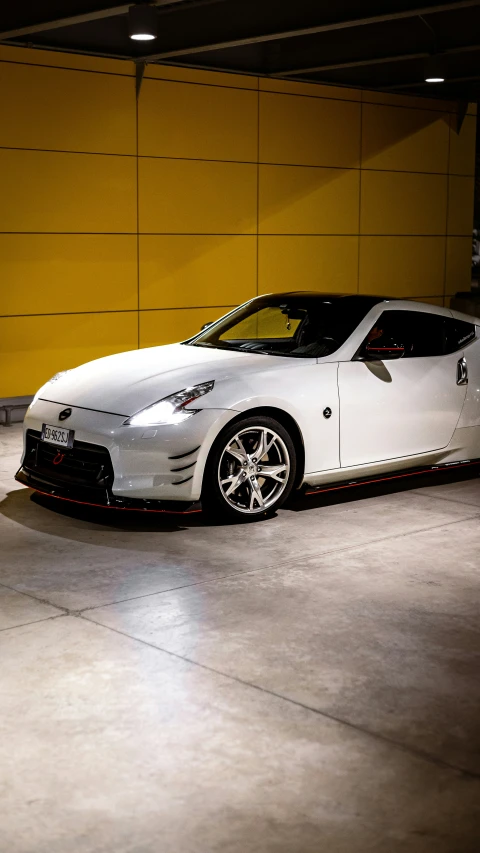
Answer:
(458, 334)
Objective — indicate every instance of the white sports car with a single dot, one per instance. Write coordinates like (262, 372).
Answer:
(286, 390)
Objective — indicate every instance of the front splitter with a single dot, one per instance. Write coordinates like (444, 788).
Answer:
(102, 498)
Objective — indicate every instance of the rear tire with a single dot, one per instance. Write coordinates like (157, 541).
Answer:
(250, 470)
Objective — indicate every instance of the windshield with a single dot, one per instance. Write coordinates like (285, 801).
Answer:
(291, 324)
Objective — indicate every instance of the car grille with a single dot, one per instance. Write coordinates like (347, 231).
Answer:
(82, 465)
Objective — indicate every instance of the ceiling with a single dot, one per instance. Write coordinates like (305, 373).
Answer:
(367, 43)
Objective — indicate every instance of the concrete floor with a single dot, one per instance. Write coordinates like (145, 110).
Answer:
(308, 684)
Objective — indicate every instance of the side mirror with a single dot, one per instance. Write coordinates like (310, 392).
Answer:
(206, 325)
(389, 352)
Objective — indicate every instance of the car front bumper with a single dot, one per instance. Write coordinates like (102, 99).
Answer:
(114, 464)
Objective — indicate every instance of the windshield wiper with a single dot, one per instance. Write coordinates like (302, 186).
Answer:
(216, 346)
(238, 349)
(272, 352)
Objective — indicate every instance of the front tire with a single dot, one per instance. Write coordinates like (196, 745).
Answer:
(251, 469)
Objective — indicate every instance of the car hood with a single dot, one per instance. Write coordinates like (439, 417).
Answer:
(125, 383)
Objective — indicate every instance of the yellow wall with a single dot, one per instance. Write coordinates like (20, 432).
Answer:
(123, 226)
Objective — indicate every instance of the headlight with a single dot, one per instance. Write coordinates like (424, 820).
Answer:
(171, 410)
(53, 379)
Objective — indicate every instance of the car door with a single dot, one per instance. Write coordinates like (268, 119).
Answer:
(403, 392)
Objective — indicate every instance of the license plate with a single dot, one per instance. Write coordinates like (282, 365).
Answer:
(58, 436)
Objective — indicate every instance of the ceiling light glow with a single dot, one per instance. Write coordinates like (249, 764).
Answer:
(142, 22)
(434, 71)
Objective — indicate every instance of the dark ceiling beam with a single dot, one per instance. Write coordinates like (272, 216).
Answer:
(356, 63)
(379, 60)
(258, 38)
(58, 23)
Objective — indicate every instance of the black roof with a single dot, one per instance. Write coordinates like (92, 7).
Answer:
(315, 294)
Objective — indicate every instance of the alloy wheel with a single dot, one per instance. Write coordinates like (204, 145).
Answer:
(254, 469)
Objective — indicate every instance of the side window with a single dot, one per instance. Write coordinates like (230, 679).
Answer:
(457, 334)
(420, 333)
(428, 333)
(388, 332)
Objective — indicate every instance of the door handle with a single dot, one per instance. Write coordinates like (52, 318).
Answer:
(462, 372)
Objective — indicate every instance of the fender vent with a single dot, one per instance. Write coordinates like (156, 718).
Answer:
(183, 455)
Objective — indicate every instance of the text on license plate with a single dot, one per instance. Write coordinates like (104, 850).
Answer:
(58, 436)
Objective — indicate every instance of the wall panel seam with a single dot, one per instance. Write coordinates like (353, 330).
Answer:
(196, 159)
(447, 215)
(258, 190)
(67, 151)
(137, 200)
(78, 233)
(209, 85)
(360, 236)
(430, 109)
(188, 308)
(408, 298)
(113, 311)
(70, 313)
(360, 162)
(222, 234)
(240, 162)
(67, 68)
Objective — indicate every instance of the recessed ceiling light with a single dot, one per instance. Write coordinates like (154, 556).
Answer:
(142, 22)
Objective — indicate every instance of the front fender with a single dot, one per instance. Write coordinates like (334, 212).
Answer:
(242, 406)
(215, 428)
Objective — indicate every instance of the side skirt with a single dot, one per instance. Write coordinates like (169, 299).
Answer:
(395, 475)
